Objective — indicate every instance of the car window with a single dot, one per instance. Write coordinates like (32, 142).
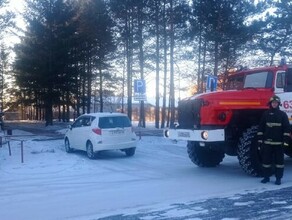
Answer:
(113, 122)
(91, 119)
(77, 123)
(83, 122)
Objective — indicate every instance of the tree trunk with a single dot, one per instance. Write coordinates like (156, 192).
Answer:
(216, 55)
(100, 89)
(163, 113)
(89, 82)
(157, 60)
(200, 79)
(141, 61)
(129, 49)
(83, 88)
(204, 66)
(49, 109)
(172, 94)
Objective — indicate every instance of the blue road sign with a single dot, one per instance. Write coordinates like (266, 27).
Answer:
(211, 83)
(139, 86)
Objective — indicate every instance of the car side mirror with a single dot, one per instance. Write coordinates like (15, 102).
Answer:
(70, 127)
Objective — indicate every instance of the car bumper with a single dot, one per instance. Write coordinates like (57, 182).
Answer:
(114, 146)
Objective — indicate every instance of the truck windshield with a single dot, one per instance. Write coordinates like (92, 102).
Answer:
(234, 82)
(258, 80)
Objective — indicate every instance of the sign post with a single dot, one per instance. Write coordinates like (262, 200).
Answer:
(140, 95)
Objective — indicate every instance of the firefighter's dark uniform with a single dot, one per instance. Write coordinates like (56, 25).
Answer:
(273, 135)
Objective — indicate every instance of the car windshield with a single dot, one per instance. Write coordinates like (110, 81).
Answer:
(113, 122)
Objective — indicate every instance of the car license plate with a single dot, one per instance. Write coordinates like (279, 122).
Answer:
(115, 132)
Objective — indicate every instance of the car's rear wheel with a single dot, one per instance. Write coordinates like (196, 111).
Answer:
(89, 150)
(68, 148)
(130, 151)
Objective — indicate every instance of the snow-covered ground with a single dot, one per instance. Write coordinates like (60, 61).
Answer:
(51, 184)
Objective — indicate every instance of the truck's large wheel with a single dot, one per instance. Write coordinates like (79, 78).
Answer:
(288, 150)
(248, 153)
(204, 156)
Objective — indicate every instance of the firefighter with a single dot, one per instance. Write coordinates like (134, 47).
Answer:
(273, 135)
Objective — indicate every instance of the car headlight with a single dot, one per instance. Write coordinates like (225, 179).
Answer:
(166, 133)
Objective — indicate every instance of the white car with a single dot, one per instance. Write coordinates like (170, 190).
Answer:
(101, 131)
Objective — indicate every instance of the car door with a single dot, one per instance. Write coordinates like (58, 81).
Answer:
(73, 133)
(79, 132)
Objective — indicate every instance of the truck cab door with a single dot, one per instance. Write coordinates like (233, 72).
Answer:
(288, 80)
(286, 96)
(280, 82)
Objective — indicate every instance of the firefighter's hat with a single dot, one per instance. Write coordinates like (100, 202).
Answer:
(275, 98)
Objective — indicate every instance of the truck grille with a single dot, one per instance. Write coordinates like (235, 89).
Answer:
(189, 113)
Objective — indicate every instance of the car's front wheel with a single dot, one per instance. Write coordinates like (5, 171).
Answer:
(89, 150)
(130, 151)
(68, 148)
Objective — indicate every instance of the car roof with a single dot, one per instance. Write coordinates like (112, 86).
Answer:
(104, 114)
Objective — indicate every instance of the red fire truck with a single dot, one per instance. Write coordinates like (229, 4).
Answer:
(220, 123)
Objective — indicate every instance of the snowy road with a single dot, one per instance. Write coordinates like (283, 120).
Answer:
(276, 205)
(159, 182)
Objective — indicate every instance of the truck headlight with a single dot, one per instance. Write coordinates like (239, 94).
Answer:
(205, 135)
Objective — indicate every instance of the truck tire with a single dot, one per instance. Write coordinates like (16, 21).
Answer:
(248, 154)
(204, 156)
(288, 150)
